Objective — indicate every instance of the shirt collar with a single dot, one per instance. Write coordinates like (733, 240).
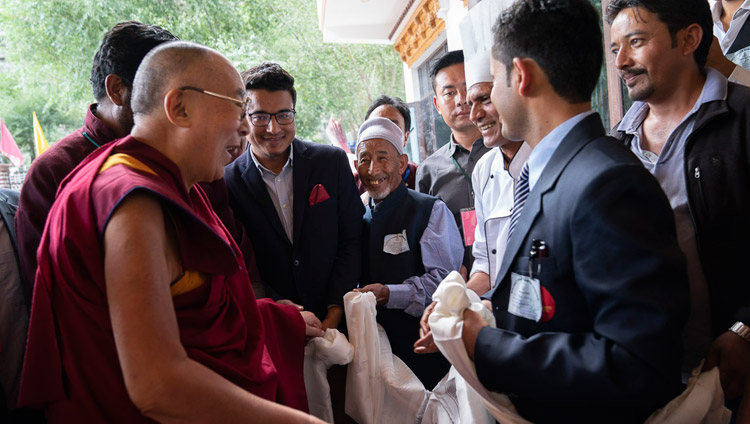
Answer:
(454, 145)
(714, 89)
(263, 169)
(716, 9)
(543, 151)
(96, 128)
(519, 160)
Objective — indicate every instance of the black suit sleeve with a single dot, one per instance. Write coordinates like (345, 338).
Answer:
(346, 268)
(626, 262)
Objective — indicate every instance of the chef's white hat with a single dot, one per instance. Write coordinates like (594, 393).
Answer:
(476, 38)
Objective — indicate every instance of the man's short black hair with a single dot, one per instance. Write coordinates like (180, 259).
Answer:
(677, 15)
(395, 102)
(448, 59)
(562, 36)
(122, 50)
(270, 76)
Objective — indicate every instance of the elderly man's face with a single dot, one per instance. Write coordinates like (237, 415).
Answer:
(220, 128)
(380, 167)
(237, 151)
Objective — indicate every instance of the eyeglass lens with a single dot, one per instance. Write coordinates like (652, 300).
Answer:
(282, 118)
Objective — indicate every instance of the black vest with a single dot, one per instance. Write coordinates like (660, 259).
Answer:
(742, 40)
(404, 209)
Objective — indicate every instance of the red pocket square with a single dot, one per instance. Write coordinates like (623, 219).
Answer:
(318, 194)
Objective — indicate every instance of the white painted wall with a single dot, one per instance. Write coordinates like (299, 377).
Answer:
(451, 11)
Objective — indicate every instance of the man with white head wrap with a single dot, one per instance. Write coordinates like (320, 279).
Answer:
(495, 174)
(410, 243)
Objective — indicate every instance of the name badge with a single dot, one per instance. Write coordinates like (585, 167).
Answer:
(395, 244)
(525, 297)
(469, 223)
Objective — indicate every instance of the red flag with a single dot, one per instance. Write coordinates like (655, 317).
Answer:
(9, 147)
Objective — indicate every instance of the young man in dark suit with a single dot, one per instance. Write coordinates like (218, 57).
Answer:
(297, 201)
(591, 295)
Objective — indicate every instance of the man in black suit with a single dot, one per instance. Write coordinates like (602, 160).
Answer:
(297, 201)
(591, 296)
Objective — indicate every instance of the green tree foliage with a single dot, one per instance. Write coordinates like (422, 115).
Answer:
(46, 50)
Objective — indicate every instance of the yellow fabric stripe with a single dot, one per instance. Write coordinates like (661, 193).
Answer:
(189, 281)
(127, 160)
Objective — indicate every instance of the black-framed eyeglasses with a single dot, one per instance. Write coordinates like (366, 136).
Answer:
(244, 105)
(261, 119)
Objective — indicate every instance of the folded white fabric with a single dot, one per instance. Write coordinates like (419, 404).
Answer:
(452, 401)
(320, 353)
(441, 407)
(446, 323)
(380, 388)
(702, 402)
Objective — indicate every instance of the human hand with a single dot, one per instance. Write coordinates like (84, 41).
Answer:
(743, 411)
(336, 134)
(313, 327)
(479, 282)
(333, 317)
(731, 353)
(426, 344)
(290, 303)
(473, 322)
(464, 272)
(381, 292)
(487, 304)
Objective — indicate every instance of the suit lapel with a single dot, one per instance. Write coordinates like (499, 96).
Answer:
(583, 133)
(300, 178)
(257, 188)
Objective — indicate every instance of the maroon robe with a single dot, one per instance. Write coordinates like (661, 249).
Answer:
(42, 182)
(48, 171)
(71, 365)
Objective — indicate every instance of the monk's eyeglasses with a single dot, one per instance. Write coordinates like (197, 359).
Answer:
(244, 105)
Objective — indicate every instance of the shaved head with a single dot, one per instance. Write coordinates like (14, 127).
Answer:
(168, 66)
(189, 103)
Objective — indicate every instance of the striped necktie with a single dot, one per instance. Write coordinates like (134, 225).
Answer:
(520, 193)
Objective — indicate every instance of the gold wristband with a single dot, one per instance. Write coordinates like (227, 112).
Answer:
(741, 330)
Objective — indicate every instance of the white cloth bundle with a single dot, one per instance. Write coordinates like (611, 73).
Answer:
(380, 388)
(454, 402)
(320, 353)
(441, 407)
(702, 402)
(446, 323)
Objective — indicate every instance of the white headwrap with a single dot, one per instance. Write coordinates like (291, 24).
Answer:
(382, 128)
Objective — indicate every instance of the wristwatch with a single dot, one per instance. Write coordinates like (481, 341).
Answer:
(741, 330)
